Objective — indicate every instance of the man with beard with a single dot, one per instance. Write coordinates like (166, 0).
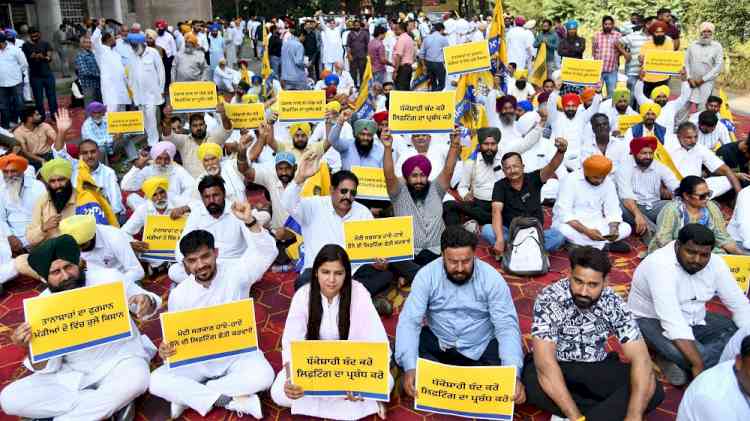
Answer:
(18, 195)
(604, 48)
(58, 203)
(103, 246)
(670, 109)
(299, 143)
(214, 215)
(95, 128)
(571, 45)
(650, 112)
(659, 42)
(469, 313)
(231, 382)
(105, 379)
(211, 156)
(361, 150)
(704, 60)
(166, 41)
(668, 297)
(144, 71)
(570, 373)
(181, 184)
(639, 185)
(521, 89)
(190, 63)
(587, 211)
(421, 198)
(35, 137)
(616, 106)
(549, 38)
(570, 123)
(188, 145)
(601, 142)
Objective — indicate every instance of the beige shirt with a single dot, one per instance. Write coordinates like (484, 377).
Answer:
(188, 147)
(43, 210)
(38, 141)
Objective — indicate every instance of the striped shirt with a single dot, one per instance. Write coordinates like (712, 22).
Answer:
(633, 43)
(428, 215)
(643, 186)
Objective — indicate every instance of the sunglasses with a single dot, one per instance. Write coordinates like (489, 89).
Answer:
(347, 191)
(703, 196)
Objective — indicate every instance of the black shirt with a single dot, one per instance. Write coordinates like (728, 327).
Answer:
(274, 45)
(527, 202)
(38, 67)
(733, 157)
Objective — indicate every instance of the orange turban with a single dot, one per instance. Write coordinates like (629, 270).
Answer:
(191, 39)
(19, 163)
(597, 166)
(588, 94)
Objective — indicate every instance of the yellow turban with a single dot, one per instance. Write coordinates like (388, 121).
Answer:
(151, 185)
(333, 106)
(80, 227)
(597, 166)
(650, 106)
(190, 38)
(249, 98)
(305, 127)
(57, 167)
(520, 74)
(209, 148)
(660, 90)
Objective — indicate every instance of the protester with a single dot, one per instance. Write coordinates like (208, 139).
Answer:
(39, 55)
(87, 71)
(13, 68)
(19, 194)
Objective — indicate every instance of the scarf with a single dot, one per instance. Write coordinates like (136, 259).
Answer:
(684, 216)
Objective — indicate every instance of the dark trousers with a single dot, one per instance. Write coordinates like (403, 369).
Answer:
(357, 67)
(11, 103)
(168, 71)
(403, 78)
(600, 390)
(376, 281)
(314, 68)
(408, 268)
(41, 86)
(479, 210)
(429, 348)
(436, 73)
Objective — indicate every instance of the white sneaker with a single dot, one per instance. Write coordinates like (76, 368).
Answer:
(556, 418)
(176, 409)
(246, 405)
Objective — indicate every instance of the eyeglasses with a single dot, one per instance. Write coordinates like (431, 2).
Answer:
(348, 191)
(703, 196)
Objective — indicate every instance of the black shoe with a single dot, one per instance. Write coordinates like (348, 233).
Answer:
(618, 247)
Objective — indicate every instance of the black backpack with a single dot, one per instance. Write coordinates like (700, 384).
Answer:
(524, 251)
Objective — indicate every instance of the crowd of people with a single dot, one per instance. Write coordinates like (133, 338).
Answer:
(665, 185)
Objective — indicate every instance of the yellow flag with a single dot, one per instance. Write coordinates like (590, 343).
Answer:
(661, 155)
(539, 68)
(89, 198)
(265, 70)
(725, 114)
(364, 87)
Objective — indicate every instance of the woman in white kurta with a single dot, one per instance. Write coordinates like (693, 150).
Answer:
(331, 307)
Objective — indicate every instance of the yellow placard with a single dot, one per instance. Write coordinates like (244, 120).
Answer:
(188, 97)
(297, 106)
(582, 72)
(333, 368)
(125, 122)
(162, 233)
(664, 62)
(471, 392)
(467, 58)
(371, 183)
(246, 116)
(624, 122)
(421, 112)
(76, 320)
(210, 333)
(740, 268)
(388, 238)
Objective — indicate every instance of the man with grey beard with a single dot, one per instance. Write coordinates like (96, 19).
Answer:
(181, 183)
(18, 194)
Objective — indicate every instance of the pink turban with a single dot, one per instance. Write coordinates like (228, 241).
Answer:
(416, 161)
(162, 147)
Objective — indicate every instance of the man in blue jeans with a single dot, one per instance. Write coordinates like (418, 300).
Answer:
(668, 297)
(12, 67)
(39, 55)
(519, 194)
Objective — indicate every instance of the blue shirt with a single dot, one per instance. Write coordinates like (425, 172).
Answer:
(98, 133)
(293, 60)
(465, 317)
(350, 156)
(432, 47)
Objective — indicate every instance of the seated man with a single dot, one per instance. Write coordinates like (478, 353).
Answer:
(669, 109)
(587, 211)
(106, 378)
(469, 313)
(181, 183)
(739, 226)
(104, 246)
(232, 382)
(298, 144)
(668, 297)
(158, 202)
(519, 194)
(639, 184)
(650, 112)
(711, 133)
(736, 156)
(211, 156)
(19, 192)
(570, 372)
(59, 201)
(359, 151)
(721, 393)
(95, 128)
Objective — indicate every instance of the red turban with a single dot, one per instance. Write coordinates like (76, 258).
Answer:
(12, 160)
(416, 161)
(571, 99)
(380, 117)
(543, 97)
(656, 24)
(638, 143)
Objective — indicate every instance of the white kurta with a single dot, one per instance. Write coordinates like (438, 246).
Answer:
(145, 74)
(181, 184)
(112, 251)
(333, 46)
(111, 73)
(714, 396)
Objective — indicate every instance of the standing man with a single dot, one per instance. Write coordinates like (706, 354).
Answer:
(111, 70)
(166, 41)
(704, 59)
(549, 38)
(673, 32)
(630, 48)
(293, 62)
(356, 46)
(604, 48)
(431, 55)
(572, 45)
(312, 49)
(145, 73)
(332, 44)
(13, 66)
(376, 51)
(59, 43)
(39, 55)
(87, 71)
(403, 58)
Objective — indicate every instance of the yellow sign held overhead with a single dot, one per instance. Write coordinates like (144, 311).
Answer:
(210, 333)
(740, 268)
(125, 122)
(246, 116)
(189, 97)
(76, 320)
(297, 106)
(421, 112)
(664, 62)
(333, 368)
(471, 392)
(371, 183)
(388, 238)
(582, 72)
(162, 234)
(467, 58)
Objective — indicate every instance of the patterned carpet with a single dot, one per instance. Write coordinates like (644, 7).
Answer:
(272, 297)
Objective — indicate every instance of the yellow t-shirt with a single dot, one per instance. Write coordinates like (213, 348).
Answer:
(649, 45)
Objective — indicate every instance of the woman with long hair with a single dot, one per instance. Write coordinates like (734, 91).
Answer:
(331, 306)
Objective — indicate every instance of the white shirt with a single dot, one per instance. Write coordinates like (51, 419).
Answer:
(521, 94)
(734, 345)
(319, 221)
(181, 184)
(226, 229)
(661, 289)
(670, 109)
(112, 251)
(579, 200)
(145, 75)
(111, 71)
(234, 182)
(689, 162)
(570, 129)
(346, 83)
(644, 186)
(13, 64)
(265, 175)
(137, 220)
(739, 226)
(167, 42)
(16, 215)
(520, 44)
(715, 138)
(331, 43)
(611, 112)
(715, 396)
(617, 151)
(437, 154)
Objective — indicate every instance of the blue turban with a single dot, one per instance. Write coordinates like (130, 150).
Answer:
(571, 24)
(256, 80)
(136, 38)
(214, 27)
(526, 106)
(331, 80)
(10, 33)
